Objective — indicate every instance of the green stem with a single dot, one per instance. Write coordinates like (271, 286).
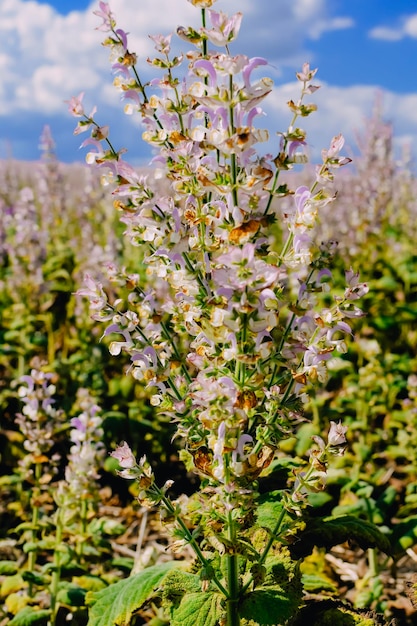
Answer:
(189, 537)
(373, 563)
(240, 368)
(83, 515)
(56, 575)
(203, 22)
(232, 612)
(166, 333)
(35, 521)
(51, 338)
(196, 272)
(233, 161)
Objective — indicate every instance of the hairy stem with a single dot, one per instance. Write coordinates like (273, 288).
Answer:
(232, 612)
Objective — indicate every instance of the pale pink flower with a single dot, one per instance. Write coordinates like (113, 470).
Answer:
(94, 292)
(202, 4)
(162, 44)
(125, 456)
(306, 73)
(249, 67)
(75, 106)
(355, 289)
(336, 436)
(331, 156)
(107, 17)
(224, 28)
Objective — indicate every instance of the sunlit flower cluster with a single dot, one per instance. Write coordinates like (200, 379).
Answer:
(224, 323)
(87, 450)
(38, 420)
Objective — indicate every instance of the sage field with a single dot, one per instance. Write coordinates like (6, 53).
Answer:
(208, 377)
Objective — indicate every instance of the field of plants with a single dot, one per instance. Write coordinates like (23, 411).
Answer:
(249, 367)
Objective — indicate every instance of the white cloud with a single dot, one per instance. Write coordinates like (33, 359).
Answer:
(315, 18)
(343, 110)
(410, 26)
(335, 23)
(340, 110)
(46, 57)
(386, 33)
(406, 27)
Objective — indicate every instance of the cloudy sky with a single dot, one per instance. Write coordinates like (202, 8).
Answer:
(50, 50)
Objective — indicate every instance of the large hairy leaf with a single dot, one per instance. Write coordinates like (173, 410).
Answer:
(329, 532)
(115, 605)
(198, 609)
(268, 606)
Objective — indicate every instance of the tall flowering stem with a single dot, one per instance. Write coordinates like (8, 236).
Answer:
(37, 422)
(224, 322)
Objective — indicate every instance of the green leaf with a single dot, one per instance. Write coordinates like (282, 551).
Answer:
(34, 578)
(8, 567)
(71, 595)
(90, 582)
(116, 604)
(329, 532)
(318, 582)
(124, 563)
(177, 583)
(106, 526)
(30, 615)
(404, 535)
(269, 510)
(11, 584)
(198, 609)
(267, 604)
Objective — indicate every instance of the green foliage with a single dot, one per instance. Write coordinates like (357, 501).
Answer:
(10, 584)
(329, 532)
(404, 535)
(117, 603)
(268, 510)
(267, 604)
(177, 583)
(328, 613)
(8, 568)
(70, 594)
(198, 609)
(30, 615)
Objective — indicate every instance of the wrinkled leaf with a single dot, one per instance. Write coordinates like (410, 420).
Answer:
(268, 510)
(329, 532)
(116, 604)
(198, 609)
(265, 605)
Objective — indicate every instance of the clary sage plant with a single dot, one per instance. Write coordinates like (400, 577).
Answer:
(228, 321)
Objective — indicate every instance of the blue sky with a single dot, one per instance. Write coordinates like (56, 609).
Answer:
(51, 50)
